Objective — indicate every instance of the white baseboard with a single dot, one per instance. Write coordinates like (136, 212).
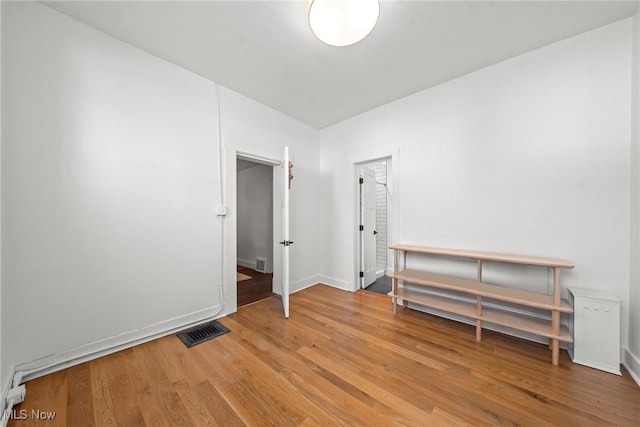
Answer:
(305, 283)
(632, 363)
(335, 283)
(6, 386)
(246, 263)
(78, 355)
(252, 265)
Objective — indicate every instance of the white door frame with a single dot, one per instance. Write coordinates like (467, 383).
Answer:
(393, 208)
(230, 237)
(367, 234)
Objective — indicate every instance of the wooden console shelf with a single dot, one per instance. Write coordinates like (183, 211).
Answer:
(479, 310)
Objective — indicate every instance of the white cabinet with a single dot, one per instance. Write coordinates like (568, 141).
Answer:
(596, 329)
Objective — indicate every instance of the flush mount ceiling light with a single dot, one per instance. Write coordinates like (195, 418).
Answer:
(342, 22)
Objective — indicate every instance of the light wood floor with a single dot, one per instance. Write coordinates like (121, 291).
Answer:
(341, 359)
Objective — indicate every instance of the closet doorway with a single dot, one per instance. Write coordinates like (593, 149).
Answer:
(254, 200)
(375, 202)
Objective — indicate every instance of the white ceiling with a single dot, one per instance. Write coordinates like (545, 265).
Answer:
(265, 50)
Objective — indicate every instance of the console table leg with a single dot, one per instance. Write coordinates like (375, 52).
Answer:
(479, 306)
(555, 318)
(478, 321)
(394, 300)
(555, 352)
(394, 289)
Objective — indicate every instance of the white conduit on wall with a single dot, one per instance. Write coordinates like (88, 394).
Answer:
(221, 218)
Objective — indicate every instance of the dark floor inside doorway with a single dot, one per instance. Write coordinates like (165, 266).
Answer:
(257, 288)
(382, 285)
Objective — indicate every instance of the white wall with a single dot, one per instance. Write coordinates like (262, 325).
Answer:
(632, 357)
(109, 182)
(110, 189)
(255, 215)
(249, 127)
(529, 156)
(109, 177)
(3, 374)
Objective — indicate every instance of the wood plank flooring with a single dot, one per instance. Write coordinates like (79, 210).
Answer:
(255, 289)
(341, 359)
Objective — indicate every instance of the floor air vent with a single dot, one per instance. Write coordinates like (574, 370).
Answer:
(202, 333)
(261, 265)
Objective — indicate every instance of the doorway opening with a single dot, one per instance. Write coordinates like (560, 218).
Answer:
(375, 203)
(254, 206)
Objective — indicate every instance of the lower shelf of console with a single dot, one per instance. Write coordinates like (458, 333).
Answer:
(516, 321)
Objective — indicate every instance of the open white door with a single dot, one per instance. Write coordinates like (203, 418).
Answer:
(287, 176)
(367, 226)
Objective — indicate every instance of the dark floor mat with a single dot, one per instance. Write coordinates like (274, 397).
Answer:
(382, 285)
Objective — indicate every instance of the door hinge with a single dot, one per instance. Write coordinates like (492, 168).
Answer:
(362, 228)
(361, 180)
(362, 274)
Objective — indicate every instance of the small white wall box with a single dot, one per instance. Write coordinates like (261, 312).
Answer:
(596, 329)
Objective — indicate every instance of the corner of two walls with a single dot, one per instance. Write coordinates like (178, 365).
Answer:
(134, 216)
(529, 156)
(631, 354)
(269, 133)
(3, 374)
(322, 226)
